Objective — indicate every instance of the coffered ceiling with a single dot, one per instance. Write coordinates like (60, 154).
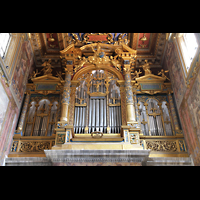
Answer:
(148, 45)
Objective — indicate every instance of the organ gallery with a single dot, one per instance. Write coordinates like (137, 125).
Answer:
(101, 100)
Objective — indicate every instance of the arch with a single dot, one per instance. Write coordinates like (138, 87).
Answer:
(152, 99)
(93, 67)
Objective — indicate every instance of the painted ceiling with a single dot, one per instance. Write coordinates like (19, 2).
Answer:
(148, 45)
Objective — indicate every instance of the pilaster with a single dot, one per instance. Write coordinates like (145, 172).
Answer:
(23, 114)
(173, 112)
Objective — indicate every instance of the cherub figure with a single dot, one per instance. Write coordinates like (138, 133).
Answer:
(115, 62)
(83, 60)
(59, 74)
(137, 73)
(163, 73)
(34, 74)
(98, 53)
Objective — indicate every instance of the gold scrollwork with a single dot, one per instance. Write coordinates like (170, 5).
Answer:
(168, 146)
(34, 146)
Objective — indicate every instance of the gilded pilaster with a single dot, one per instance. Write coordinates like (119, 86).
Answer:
(74, 84)
(23, 114)
(120, 83)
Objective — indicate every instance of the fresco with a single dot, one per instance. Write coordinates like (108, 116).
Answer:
(4, 100)
(187, 100)
(22, 68)
(190, 135)
(194, 104)
(172, 63)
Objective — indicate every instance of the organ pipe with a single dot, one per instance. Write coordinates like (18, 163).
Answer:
(155, 120)
(97, 114)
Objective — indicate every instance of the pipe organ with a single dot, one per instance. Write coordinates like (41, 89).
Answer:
(154, 117)
(100, 100)
(41, 118)
(97, 103)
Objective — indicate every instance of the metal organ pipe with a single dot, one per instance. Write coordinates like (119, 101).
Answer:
(98, 114)
(157, 124)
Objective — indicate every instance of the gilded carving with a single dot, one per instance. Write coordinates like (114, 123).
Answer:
(60, 139)
(33, 146)
(162, 72)
(146, 67)
(47, 67)
(167, 146)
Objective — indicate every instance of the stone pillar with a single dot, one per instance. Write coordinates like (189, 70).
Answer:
(23, 114)
(66, 97)
(174, 115)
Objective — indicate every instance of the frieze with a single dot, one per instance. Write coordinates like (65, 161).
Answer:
(33, 146)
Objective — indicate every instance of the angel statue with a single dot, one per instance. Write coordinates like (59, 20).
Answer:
(137, 73)
(163, 73)
(34, 74)
(47, 67)
(146, 68)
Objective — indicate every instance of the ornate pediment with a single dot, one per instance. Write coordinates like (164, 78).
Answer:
(45, 79)
(47, 83)
(150, 83)
(150, 78)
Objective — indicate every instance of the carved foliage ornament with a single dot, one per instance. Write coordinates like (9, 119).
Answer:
(34, 146)
(168, 146)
